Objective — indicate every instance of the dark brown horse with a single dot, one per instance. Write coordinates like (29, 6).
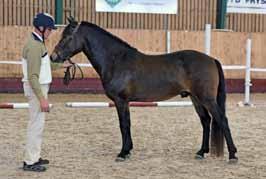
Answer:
(129, 75)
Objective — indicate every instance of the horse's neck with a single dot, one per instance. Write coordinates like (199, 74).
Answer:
(100, 57)
(102, 50)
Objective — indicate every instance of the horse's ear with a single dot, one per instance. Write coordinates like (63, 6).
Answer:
(72, 21)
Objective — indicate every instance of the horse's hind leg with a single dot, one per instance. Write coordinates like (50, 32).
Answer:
(205, 122)
(222, 121)
(124, 121)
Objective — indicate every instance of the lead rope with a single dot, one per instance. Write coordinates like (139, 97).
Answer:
(70, 74)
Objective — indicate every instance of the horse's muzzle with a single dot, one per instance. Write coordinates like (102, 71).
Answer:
(54, 57)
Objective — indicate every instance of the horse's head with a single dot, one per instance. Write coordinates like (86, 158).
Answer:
(69, 44)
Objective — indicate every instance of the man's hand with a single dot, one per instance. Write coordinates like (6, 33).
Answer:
(44, 105)
(66, 64)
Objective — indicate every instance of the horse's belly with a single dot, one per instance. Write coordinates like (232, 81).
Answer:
(152, 97)
(156, 92)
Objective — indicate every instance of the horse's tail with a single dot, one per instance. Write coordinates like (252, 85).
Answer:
(217, 136)
(221, 96)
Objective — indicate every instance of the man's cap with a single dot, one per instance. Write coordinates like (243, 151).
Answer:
(44, 20)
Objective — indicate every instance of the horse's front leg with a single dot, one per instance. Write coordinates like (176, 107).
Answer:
(124, 121)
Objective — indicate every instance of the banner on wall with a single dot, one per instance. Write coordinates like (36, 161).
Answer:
(137, 6)
(246, 6)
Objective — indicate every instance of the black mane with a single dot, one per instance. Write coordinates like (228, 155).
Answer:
(97, 28)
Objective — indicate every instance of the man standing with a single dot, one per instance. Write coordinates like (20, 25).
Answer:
(36, 80)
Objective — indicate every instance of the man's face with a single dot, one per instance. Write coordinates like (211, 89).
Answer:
(47, 33)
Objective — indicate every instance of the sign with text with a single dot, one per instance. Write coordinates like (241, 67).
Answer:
(246, 6)
(137, 6)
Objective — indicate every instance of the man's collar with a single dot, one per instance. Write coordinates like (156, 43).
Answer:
(39, 38)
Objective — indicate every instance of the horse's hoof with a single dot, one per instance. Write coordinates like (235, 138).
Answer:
(122, 159)
(199, 157)
(233, 161)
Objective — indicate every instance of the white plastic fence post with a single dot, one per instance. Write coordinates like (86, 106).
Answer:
(168, 41)
(248, 79)
(208, 39)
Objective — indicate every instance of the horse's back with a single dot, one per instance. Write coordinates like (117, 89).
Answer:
(185, 61)
(189, 56)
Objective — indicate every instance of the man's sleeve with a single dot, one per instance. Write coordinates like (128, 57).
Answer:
(34, 57)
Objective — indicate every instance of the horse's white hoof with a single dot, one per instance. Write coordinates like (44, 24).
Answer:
(198, 157)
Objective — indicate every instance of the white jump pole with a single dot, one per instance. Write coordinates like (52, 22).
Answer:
(11, 62)
(132, 104)
(208, 39)
(16, 105)
(248, 69)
